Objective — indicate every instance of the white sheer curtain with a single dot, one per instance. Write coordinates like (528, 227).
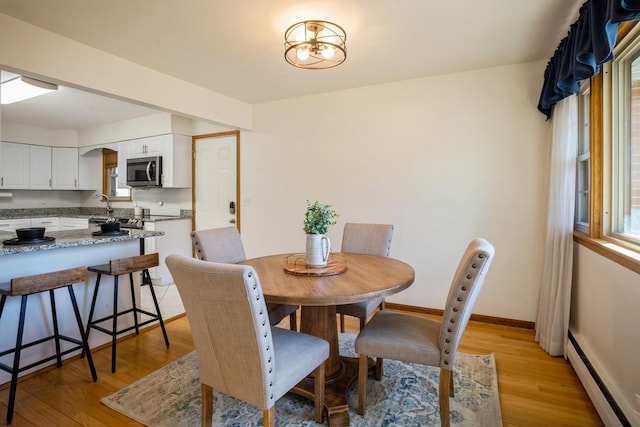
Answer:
(552, 322)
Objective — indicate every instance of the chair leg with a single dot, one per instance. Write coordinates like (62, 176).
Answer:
(379, 370)
(269, 417)
(341, 322)
(451, 393)
(318, 392)
(206, 396)
(443, 396)
(293, 321)
(363, 322)
(363, 373)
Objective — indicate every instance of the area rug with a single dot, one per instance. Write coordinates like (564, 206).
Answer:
(406, 396)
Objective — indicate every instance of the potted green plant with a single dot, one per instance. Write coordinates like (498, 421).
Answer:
(317, 220)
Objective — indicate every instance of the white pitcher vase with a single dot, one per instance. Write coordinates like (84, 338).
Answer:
(318, 247)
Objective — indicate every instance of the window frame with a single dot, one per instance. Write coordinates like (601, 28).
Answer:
(109, 159)
(597, 237)
(583, 160)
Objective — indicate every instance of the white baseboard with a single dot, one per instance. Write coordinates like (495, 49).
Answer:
(600, 402)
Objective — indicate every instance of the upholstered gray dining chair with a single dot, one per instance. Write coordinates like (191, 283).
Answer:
(369, 239)
(224, 245)
(425, 341)
(239, 353)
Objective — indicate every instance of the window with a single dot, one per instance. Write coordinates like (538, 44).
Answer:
(583, 165)
(110, 177)
(608, 220)
(622, 150)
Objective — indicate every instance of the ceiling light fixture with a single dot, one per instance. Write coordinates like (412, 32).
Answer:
(21, 88)
(315, 45)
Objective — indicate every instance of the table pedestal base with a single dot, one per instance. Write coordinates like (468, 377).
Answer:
(341, 371)
(336, 389)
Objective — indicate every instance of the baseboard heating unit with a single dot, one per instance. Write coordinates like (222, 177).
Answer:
(605, 404)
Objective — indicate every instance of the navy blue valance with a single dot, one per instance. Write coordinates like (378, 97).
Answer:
(589, 44)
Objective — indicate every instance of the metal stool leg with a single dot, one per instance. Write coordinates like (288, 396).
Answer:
(83, 336)
(145, 274)
(91, 310)
(56, 331)
(16, 360)
(114, 335)
(135, 304)
(2, 301)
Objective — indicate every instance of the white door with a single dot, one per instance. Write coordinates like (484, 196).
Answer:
(215, 172)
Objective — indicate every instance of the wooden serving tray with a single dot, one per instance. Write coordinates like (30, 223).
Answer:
(297, 265)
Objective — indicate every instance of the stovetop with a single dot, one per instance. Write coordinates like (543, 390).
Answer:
(124, 222)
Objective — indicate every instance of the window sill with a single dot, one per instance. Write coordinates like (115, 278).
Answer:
(610, 249)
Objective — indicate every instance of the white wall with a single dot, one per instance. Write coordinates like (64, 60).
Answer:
(445, 159)
(604, 322)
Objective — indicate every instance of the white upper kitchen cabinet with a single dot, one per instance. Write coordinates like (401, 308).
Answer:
(175, 151)
(39, 167)
(147, 147)
(90, 170)
(14, 166)
(64, 168)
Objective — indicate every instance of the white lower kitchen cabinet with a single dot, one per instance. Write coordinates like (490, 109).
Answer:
(50, 224)
(74, 223)
(14, 224)
(176, 240)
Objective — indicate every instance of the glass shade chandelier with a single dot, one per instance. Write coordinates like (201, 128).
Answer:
(315, 45)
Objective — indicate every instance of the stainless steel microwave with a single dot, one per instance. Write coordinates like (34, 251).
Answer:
(144, 172)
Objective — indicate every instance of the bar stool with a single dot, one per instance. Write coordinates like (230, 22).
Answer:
(29, 285)
(115, 268)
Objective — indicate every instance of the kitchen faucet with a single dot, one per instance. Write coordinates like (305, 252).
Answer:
(109, 209)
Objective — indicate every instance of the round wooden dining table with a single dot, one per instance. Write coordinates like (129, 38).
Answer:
(357, 278)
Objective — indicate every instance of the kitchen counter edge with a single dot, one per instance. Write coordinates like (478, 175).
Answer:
(72, 238)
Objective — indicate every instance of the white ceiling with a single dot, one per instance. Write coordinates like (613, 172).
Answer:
(235, 47)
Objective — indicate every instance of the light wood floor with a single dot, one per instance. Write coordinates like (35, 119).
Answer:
(535, 389)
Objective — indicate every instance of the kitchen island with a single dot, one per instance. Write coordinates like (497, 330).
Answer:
(72, 248)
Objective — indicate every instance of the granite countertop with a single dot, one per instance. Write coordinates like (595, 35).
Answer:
(71, 238)
(87, 213)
